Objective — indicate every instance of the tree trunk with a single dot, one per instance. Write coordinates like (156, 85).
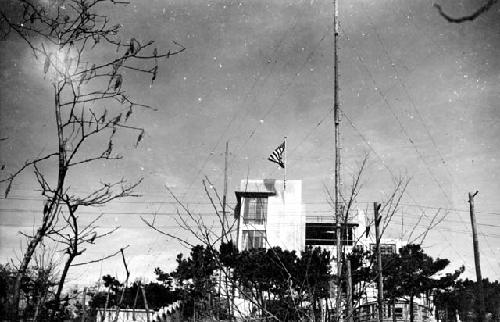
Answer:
(105, 307)
(394, 310)
(60, 286)
(411, 309)
(42, 298)
(313, 309)
(327, 311)
(83, 304)
(37, 307)
(30, 250)
(48, 213)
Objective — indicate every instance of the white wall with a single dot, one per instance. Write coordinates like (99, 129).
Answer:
(285, 223)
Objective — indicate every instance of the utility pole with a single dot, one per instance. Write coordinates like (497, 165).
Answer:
(143, 291)
(477, 260)
(83, 303)
(380, 286)
(224, 233)
(349, 292)
(135, 301)
(336, 114)
(224, 196)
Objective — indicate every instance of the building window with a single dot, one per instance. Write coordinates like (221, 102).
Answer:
(325, 234)
(253, 239)
(385, 249)
(398, 312)
(358, 248)
(255, 211)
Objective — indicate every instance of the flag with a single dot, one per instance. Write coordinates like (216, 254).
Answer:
(277, 155)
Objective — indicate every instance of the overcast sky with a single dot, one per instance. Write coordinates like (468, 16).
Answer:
(419, 95)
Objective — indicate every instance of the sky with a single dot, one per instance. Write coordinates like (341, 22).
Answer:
(418, 95)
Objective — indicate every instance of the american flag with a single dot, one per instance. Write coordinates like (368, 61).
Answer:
(277, 155)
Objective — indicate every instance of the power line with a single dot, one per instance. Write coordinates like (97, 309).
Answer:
(438, 45)
(401, 126)
(326, 214)
(414, 106)
(176, 227)
(391, 173)
(418, 114)
(410, 99)
(404, 131)
(207, 203)
(235, 116)
(286, 88)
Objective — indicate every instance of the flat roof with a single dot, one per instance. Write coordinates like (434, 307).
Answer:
(254, 194)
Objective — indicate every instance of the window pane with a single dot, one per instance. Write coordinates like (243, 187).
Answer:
(253, 239)
(325, 234)
(385, 249)
(398, 312)
(255, 211)
(244, 240)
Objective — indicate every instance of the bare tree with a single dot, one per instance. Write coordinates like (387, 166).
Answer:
(45, 265)
(389, 207)
(194, 226)
(484, 8)
(90, 104)
(38, 284)
(74, 237)
(210, 236)
(193, 223)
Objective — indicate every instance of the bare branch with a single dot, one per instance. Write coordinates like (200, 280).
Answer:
(394, 201)
(125, 263)
(152, 226)
(107, 193)
(487, 6)
(101, 259)
(11, 177)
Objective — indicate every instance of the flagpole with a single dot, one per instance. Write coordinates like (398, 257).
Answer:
(284, 181)
(337, 157)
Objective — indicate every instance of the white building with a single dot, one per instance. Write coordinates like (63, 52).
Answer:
(270, 214)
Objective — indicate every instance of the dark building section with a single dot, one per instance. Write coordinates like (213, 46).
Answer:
(324, 233)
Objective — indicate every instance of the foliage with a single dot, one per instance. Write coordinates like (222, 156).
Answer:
(462, 297)
(98, 300)
(411, 273)
(37, 288)
(314, 270)
(227, 253)
(362, 272)
(118, 296)
(163, 277)
(112, 283)
(279, 282)
(408, 274)
(196, 275)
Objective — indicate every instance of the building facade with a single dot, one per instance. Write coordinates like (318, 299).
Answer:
(368, 312)
(270, 214)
